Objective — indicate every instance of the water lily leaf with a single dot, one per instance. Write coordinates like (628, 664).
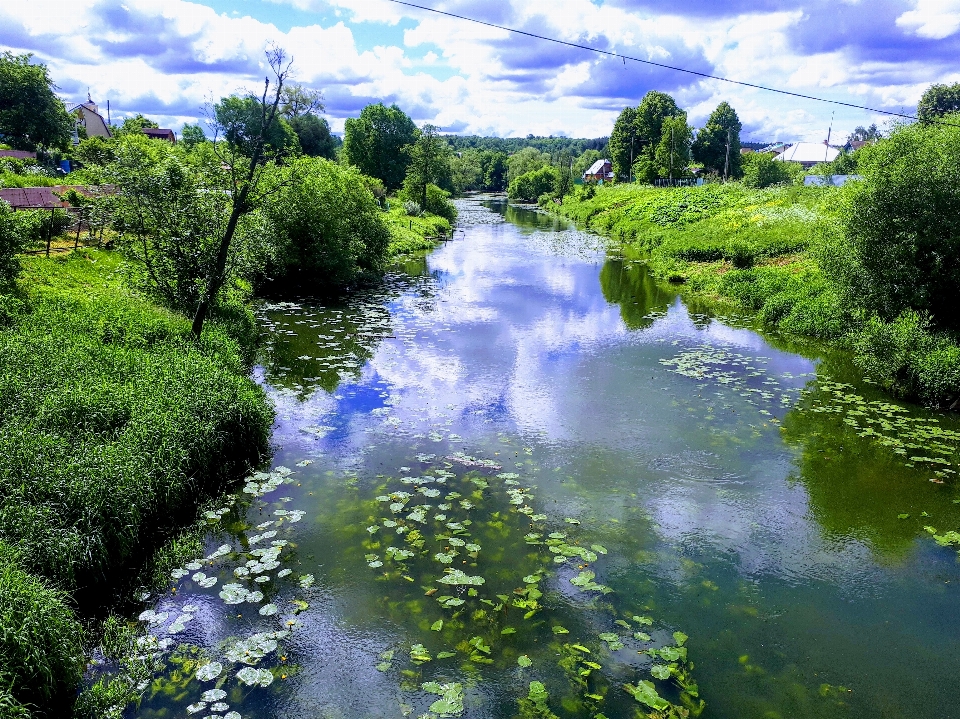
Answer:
(446, 655)
(268, 610)
(642, 620)
(557, 629)
(641, 636)
(660, 671)
(458, 578)
(903, 516)
(233, 594)
(508, 630)
(451, 698)
(598, 548)
(306, 581)
(232, 715)
(196, 708)
(213, 695)
(284, 572)
(419, 654)
(209, 671)
(646, 693)
(437, 625)
(255, 677)
(680, 638)
(524, 661)
(570, 520)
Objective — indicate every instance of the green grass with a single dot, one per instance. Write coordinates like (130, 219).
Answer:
(409, 234)
(114, 426)
(729, 243)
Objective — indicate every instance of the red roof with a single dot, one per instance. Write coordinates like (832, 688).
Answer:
(46, 196)
(157, 133)
(19, 154)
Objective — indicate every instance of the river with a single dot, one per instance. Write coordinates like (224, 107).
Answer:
(521, 408)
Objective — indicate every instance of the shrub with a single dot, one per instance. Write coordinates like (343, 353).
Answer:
(329, 230)
(901, 226)
(438, 203)
(531, 185)
(760, 170)
(11, 242)
(412, 208)
(41, 655)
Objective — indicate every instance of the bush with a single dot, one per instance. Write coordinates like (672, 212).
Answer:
(760, 170)
(114, 424)
(41, 653)
(438, 203)
(329, 230)
(11, 242)
(531, 185)
(900, 228)
(412, 208)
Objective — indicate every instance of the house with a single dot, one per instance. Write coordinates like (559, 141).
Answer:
(89, 117)
(600, 171)
(808, 154)
(773, 149)
(156, 133)
(19, 154)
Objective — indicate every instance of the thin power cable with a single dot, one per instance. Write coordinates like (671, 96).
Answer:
(662, 65)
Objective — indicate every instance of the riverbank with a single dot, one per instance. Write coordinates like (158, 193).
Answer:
(114, 427)
(763, 250)
(410, 234)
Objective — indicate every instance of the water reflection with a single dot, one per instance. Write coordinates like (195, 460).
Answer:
(641, 298)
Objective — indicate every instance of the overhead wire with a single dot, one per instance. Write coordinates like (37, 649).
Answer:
(624, 57)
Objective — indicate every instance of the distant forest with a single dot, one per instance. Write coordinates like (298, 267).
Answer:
(510, 145)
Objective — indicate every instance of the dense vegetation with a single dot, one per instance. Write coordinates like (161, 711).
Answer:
(864, 265)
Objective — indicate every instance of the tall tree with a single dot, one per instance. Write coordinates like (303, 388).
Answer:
(244, 157)
(374, 142)
(240, 122)
(31, 115)
(654, 108)
(710, 147)
(623, 146)
(862, 134)
(939, 100)
(673, 152)
(134, 125)
(301, 108)
(429, 163)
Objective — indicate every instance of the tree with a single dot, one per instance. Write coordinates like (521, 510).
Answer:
(864, 134)
(31, 115)
(301, 108)
(711, 146)
(901, 226)
(585, 161)
(429, 164)
(761, 170)
(527, 160)
(299, 100)
(653, 110)
(244, 159)
(134, 125)
(672, 154)
(623, 144)
(466, 171)
(373, 143)
(495, 166)
(241, 123)
(531, 185)
(938, 101)
(192, 135)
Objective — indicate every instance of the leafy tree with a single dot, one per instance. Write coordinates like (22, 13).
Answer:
(495, 166)
(466, 171)
(624, 147)
(938, 101)
(31, 115)
(96, 151)
(241, 122)
(329, 228)
(652, 112)
(710, 147)
(134, 125)
(531, 185)
(863, 134)
(761, 170)
(192, 135)
(373, 143)
(525, 161)
(672, 154)
(301, 107)
(429, 164)
(900, 227)
(11, 243)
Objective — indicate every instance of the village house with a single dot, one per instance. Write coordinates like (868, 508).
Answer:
(156, 133)
(600, 171)
(89, 118)
(808, 154)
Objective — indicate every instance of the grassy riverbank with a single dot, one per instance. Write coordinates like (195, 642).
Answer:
(765, 251)
(114, 426)
(409, 234)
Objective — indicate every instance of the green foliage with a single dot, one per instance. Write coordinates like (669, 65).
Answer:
(863, 134)
(672, 154)
(907, 357)
(900, 227)
(114, 424)
(190, 136)
(638, 134)
(328, 227)
(410, 234)
(374, 142)
(173, 206)
(761, 170)
(624, 148)
(530, 186)
(528, 160)
(429, 164)
(314, 136)
(939, 100)
(710, 147)
(11, 243)
(585, 161)
(240, 120)
(31, 114)
(41, 655)
(134, 126)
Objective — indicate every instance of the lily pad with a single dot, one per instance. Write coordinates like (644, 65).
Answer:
(255, 677)
(209, 671)
(524, 661)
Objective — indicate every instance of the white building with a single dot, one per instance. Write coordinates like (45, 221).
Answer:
(89, 117)
(808, 154)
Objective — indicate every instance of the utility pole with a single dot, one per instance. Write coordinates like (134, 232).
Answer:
(671, 156)
(726, 164)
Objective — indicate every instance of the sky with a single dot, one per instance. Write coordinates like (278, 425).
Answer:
(169, 59)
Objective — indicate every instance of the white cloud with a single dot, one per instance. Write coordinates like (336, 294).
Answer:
(936, 19)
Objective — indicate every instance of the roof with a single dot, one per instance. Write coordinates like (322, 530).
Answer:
(30, 197)
(597, 167)
(158, 133)
(808, 152)
(19, 154)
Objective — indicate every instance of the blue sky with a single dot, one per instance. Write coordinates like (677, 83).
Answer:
(168, 59)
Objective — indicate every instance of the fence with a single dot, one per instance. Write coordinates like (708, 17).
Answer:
(680, 182)
(79, 220)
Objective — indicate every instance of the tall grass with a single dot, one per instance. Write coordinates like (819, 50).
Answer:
(114, 425)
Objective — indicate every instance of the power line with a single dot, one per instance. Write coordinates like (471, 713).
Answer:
(662, 65)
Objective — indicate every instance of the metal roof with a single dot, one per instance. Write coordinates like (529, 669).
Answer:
(597, 167)
(808, 152)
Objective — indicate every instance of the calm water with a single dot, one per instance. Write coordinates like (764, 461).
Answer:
(525, 381)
